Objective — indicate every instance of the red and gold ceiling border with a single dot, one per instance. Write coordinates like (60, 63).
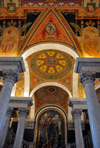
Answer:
(20, 13)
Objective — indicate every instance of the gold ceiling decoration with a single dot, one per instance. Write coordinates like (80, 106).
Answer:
(51, 64)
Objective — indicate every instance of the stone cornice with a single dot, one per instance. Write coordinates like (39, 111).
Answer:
(20, 100)
(87, 64)
(78, 103)
(13, 63)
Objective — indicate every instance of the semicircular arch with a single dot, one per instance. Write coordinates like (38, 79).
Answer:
(55, 46)
(46, 108)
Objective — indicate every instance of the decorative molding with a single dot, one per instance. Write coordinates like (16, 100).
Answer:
(13, 63)
(11, 7)
(76, 113)
(78, 102)
(23, 112)
(24, 100)
(11, 76)
(88, 64)
(87, 77)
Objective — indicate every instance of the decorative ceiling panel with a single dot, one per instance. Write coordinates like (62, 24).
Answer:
(51, 64)
(51, 94)
(49, 28)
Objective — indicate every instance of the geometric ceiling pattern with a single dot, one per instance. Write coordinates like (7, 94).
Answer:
(51, 64)
(51, 94)
(49, 28)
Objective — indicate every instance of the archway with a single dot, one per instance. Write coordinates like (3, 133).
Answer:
(46, 46)
(44, 85)
(50, 123)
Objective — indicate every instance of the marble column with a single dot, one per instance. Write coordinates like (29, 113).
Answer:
(9, 113)
(76, 113)
(23, 112)
(87, 79)
(10, 77)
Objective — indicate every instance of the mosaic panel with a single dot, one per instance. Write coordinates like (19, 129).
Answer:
(9, 42)
(51, 94)
(51, 64)
(91, 42)
(68, 81)
(50, 29)
(20, 86)
(34, 81)
(81, 90)
(50, 131)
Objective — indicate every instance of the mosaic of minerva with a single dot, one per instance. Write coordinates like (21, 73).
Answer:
(51, 64)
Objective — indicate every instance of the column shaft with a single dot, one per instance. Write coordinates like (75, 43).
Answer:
(20, 129)
(5, 127)
(87, 78)
(4, 101)
(93, 113)
(20, 132)
(78, 129)
(10, 77)
(78, 133)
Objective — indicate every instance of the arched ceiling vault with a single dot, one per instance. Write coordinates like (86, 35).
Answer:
(48, 46)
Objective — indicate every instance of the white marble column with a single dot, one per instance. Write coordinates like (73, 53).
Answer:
(9, 113)
(76, 113)
(87, 79)
(23, 112)
(10, 77)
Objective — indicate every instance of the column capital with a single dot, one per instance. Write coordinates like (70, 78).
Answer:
(10, 76)
(87, 77)
(76, 113)
(10, 111)
(23, 112)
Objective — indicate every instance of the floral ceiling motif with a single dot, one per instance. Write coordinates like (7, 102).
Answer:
(51, 64)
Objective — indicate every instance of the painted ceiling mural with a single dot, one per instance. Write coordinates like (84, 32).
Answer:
(51, 95)
(26, 23)
(50, 65)
(49, 28)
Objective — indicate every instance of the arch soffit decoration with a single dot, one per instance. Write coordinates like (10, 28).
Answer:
(46, 107)
(44, 46)
(97, 87)
(51, 84)
(76, 46)
(43, 85)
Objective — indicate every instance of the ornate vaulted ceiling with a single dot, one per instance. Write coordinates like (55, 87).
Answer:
(51, 95)
(50, 65)
(27, 26)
